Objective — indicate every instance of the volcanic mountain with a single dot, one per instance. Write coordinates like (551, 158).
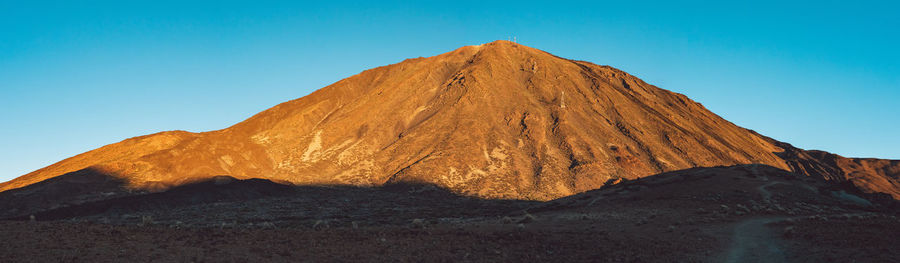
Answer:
(498, 120)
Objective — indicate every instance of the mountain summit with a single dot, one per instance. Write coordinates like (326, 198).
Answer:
(498, 120)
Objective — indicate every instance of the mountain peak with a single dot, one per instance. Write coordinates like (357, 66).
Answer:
(502, 48)
(497, 44)
(509, 47)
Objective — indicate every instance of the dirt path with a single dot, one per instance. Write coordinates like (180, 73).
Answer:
(753, 241)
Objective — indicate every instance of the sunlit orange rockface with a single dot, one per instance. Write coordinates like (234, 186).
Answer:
(498, 120)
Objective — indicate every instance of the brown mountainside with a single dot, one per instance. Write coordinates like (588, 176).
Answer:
(498, 120)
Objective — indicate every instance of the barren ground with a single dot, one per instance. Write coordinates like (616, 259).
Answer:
(731, 214)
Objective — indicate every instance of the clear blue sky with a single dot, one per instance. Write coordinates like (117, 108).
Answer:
(77, 75)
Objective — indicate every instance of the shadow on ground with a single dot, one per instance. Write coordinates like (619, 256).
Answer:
(718, 214)
(89, 195)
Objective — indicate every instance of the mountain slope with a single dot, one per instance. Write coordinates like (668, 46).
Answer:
(498, 120)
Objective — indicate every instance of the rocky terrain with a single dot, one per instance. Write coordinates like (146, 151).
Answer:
(498, 120)
(746, 213)
(494, 152)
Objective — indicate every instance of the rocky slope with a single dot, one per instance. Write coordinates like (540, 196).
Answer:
(868, 174)
(498, 120)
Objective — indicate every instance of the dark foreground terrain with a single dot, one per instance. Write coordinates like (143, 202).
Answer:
(747, 213)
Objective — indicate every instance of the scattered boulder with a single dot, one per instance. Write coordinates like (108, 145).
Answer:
(417, 223)
(321, 225)
(528, 218)
(788, 231)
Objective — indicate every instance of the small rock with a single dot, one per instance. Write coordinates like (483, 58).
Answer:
(320, 224)
(146, 220)
(777, 206)
(528, 218)
(642, 221)
(130, 216)
(417, 223)
(788, 231)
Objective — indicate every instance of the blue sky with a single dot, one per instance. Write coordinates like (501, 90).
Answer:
(77, 75)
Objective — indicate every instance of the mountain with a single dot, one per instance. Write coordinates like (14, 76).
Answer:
(498, 120)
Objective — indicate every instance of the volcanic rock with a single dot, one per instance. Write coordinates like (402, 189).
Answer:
(498, 120)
